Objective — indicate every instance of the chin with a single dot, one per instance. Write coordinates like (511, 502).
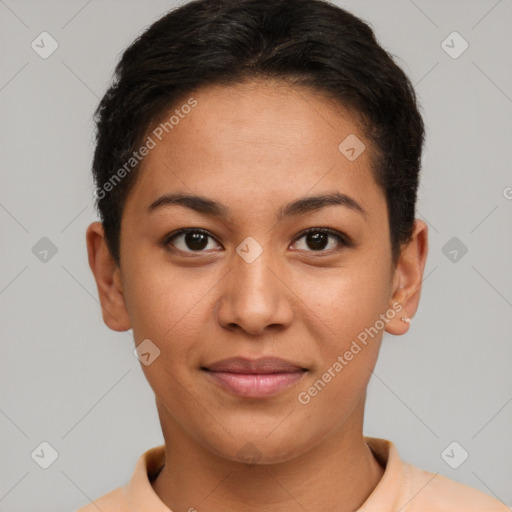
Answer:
(260, 446)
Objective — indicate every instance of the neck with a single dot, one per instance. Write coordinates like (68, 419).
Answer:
(337, 474)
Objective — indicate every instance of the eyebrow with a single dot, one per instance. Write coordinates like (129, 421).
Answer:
(300, 206)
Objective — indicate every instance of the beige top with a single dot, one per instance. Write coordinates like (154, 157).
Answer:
(403, 488)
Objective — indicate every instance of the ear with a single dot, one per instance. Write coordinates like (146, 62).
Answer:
(108, 279)
(407, 279)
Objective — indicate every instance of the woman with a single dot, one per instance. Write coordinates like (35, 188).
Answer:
(256, 167)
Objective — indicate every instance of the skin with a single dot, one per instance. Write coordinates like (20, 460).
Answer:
(254, 147)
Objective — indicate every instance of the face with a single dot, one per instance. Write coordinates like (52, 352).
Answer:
(265, 271)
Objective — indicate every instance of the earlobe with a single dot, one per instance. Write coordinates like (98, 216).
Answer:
(108, 279)
(401, 320)
(408, 279)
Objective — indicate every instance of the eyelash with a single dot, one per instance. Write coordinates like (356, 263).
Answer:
(342, 239)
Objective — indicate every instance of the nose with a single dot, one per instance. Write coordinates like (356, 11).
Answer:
(255, 297)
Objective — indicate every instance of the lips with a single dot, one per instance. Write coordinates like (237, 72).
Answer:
(255, 378)
(261, 365)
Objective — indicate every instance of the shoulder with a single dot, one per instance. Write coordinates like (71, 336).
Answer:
(428, 489)
(137, 494)
(114, 501)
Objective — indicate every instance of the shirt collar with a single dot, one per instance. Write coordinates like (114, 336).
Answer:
(392, 488)
(139, 491)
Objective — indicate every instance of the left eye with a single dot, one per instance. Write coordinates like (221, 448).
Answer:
(317, 239)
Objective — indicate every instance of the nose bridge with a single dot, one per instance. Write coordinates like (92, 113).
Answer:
(251, 267)
(255, 297)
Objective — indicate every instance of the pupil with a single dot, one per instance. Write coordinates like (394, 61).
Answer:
(196, 241)
(319, 240)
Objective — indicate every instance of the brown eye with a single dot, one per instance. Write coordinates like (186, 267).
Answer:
(322, 240)
(190, 240)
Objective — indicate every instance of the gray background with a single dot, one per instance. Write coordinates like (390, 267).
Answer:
(68, 380)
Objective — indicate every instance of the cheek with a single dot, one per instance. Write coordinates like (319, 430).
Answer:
(345, 310)
(168, 309)
(343, 302)
(164, 303)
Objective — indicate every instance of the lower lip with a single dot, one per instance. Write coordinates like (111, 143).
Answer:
(256, 385)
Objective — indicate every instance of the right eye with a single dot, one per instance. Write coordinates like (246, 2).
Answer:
(189, 240)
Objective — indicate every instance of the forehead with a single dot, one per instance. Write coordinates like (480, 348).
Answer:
(256, 143)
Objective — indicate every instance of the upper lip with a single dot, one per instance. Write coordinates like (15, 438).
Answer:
(260, 365)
